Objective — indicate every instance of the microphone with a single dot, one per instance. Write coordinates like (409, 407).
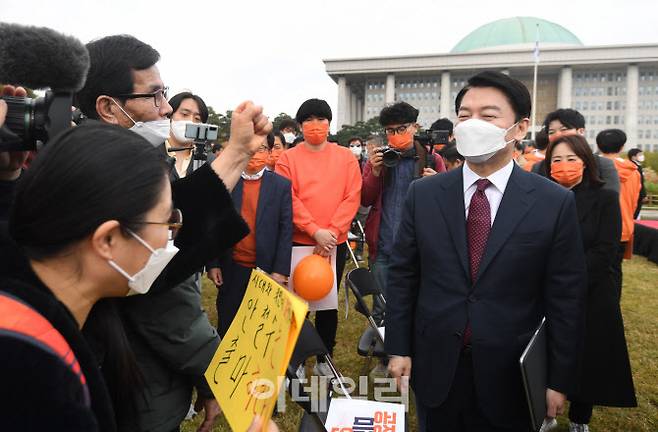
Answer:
(39, 57)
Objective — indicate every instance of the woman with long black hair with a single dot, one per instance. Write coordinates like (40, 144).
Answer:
(605, 376)
(93, 218)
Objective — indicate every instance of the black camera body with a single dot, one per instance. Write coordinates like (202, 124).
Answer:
(32, 121)
(433, 137)
(390, 157)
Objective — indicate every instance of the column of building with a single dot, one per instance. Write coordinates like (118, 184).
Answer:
(564, 87)
(445, 95)
(632, 90)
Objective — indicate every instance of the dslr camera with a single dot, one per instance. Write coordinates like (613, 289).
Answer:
(390, 157)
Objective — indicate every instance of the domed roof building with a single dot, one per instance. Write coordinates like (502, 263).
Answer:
(612, 86)
(516, 33)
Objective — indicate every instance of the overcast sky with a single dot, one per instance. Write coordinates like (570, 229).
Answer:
(272, 51)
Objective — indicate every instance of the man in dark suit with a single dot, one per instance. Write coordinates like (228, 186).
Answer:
(264, 199)
(471, 278)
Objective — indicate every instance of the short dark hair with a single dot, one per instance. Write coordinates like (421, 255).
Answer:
(355, 138)
(450, 153)
(176, 100)
(311, 108)
(270, 140)
(611, 140)
(442, 124)
(400, 112)
(634, 152)
(112, 60)
(87, 175)
(570, 118)
(288, 123)
(581, 148)
(541, 140)
(216, 147)
(516, 92)
(282, 138)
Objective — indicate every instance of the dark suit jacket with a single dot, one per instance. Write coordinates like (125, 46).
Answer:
(533, 266)
(273, 224)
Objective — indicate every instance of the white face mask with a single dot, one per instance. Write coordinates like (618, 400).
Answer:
(155, 131)
(640, 158)
(478, 140)
(356, 150)
(178, 130)
(140, 282)
(289, 137)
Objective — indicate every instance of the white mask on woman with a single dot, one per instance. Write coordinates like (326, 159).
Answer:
(140, 282)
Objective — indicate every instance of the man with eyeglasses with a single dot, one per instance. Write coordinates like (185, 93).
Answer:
(168, 331)
(384, 188)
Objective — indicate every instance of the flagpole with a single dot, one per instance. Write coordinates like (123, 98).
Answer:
(534, 86)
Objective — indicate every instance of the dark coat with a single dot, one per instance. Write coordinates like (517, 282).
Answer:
(273, 224)
(38, 392)
(605, 370)
(522, 277)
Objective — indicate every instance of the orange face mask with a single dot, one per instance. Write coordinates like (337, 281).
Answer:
(400, 141)
(315, 132)
(257, 162)
(567, 173)
(274, 156)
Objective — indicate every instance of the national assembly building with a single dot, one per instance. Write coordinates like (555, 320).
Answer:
(613, 86)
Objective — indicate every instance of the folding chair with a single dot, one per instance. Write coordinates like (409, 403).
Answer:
(309, 344)
(362, 284)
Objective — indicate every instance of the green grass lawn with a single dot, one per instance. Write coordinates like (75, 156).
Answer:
(640, 309)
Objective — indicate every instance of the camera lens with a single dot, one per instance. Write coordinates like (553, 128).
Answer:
(26, 117)
(390, 158)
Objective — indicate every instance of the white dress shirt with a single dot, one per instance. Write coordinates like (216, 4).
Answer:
(494, 192)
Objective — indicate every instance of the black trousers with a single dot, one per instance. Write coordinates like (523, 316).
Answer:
(231, 292)
(326, 321)
(580, 412)
(460, 412)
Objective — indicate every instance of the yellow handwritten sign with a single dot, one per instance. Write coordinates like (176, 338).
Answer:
(244, 373)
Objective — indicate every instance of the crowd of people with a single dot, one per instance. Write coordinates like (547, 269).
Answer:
(107, 233)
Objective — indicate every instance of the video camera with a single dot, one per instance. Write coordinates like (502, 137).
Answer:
(433, 137)
(39, 58)
(202, 135)
(30, 121)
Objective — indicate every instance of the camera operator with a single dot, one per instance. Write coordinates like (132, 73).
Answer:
(11, 163)
(384, 187)
(443, 124)
(187, 108)
(167, 330)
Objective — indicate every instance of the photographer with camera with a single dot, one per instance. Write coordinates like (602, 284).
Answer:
(386, 178)
(187, 108)
(167, 330)
(11, 163)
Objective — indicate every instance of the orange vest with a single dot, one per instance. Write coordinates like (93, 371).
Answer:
(21, 321)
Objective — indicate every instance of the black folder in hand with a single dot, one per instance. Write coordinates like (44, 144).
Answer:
(533, 371)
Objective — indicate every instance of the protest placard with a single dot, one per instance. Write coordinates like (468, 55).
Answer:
(357, 415)
(246, 372)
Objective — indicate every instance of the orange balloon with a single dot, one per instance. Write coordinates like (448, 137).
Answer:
(313, 278)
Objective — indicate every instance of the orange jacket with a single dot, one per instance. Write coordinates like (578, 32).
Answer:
(326, 190)
(630, 185)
